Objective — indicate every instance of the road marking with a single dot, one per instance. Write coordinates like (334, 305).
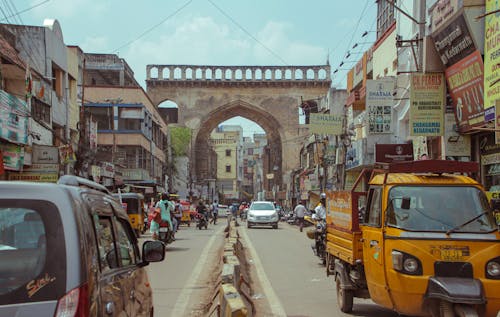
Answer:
(273, 300)
(191, 285)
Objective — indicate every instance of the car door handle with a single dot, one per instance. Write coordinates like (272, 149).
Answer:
(110, 308)
(373, 243)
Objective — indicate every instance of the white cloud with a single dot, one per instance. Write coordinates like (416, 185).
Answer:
(95, 44)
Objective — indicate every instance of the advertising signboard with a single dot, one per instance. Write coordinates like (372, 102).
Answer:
(427, 100)
(465, 86)
(491, 54)
(323, 123)
(45, 154)
(13, 156)
(455, 144)
(441, 12)
(379, 102)
(339, 207)
(454, 42)
(388, 153)
(14, 116)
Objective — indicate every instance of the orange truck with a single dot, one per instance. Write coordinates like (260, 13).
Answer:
(419, 238)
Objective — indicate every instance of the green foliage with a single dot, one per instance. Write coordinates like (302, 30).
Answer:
(180, 138)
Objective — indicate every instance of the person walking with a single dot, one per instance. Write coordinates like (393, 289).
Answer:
(320, 210)
(215, 211)
(300, 211)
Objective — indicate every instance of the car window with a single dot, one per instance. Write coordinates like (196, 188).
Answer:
(105, 243)
(32, 252)
(262, 206)
(128, 254)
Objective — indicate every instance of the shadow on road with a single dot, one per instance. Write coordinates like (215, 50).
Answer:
(176, 249)
(372, 310)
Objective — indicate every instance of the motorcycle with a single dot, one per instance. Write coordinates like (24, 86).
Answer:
(165, 234)
(202, 221)
(318, 234)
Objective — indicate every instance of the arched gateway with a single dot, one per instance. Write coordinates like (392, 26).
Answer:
(267, 95)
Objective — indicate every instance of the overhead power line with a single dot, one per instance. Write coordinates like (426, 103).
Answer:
(153, 27)
(248, 33)
(22, 11)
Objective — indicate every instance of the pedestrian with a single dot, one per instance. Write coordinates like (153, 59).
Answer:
(215, 211)
(300, 211)
(178, 214)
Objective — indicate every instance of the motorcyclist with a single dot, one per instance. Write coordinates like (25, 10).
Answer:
(202, 210)
(320, 210)
(165, 207)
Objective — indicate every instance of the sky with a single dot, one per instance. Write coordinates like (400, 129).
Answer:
(211, 32)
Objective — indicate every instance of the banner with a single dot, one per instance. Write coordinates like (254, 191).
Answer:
(427, 94)
(13, 156)
(441, 11)
(465, 86)
(13, 118)
(388, 153)
(379, 102)
(491, 56)
(497, 122)
(322, 123)
(455, 144)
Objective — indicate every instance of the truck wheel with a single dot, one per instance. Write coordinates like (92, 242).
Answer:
(344, 298)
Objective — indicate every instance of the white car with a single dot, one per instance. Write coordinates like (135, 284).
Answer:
(262, 213)
(223, 210)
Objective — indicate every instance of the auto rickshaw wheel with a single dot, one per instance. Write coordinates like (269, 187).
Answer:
(466, 311)
(345, 297)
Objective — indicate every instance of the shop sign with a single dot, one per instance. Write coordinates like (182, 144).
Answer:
(34, 177)
(497, 121)
(487, 144)
(13, 156)
(45, 154)
(490, 159)
(135, 174)
(491, 54)
(323, 123)
(441, 12)
(465, 85)
(388, 153)
(107, 169)
(455, 144)
(14, 116)
(339, 206)
(379, 102)
(427, 93)
(420, 151)
(454, 42)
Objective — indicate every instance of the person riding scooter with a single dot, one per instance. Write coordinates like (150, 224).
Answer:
(201, 209)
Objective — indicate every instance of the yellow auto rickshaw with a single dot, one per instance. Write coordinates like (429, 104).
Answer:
(133, 203)
(417, 238)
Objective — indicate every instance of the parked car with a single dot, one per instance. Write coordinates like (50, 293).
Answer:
(68, 249)
(262, 213)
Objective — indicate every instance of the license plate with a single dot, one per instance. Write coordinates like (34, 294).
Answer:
(163, 229)
(261, 218)
(451, 254)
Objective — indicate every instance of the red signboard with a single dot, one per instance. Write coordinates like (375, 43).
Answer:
(389, 153)
(465, 84)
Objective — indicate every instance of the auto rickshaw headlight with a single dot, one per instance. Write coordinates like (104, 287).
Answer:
(406, 263)
(493, 268)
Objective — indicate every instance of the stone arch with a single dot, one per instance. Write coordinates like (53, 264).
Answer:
(218, 74)
(310, 74)
(278, 74)
(198, 73)
(189, 73)
(299, 74)
(166, 73)
(238, 74)
(271, 125)
(154, 73)
(228, 75)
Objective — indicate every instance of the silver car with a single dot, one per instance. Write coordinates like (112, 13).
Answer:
(262, 213)
(68, 249)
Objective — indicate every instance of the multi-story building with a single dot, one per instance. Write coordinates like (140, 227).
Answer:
(226, 145)
(132, 134)
(40, 98)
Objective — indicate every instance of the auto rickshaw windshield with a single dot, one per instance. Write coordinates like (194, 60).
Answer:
(439, 209)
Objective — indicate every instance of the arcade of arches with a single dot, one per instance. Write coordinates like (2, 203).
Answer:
(272, 102)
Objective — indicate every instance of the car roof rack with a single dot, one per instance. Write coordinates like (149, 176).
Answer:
(72, 180)
(429, 166)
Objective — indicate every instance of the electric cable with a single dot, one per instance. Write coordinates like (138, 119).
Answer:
(24, 10)
(153, 27)
(248, 33)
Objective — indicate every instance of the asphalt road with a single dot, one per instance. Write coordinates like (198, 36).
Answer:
(290, 281)
(182, 281)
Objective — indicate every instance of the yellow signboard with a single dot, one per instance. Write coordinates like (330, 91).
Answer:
(339, 209)
(34, 177)
(427, 104)
(322, 123)
(491, 56)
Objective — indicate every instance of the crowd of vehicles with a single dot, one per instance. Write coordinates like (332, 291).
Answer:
(417, 238)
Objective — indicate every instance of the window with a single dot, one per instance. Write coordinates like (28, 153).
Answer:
(228, 168)
(373, 215)
(105, 242)
(57, 80)
(228, 152)
(128, 254)
(40, 110)
(385, 17)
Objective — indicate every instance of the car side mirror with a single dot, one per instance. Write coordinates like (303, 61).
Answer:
(405, 203)
(153, 251)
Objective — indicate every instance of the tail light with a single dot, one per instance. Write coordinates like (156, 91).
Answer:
(74, 304)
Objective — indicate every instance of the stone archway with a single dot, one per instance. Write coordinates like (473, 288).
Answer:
(272, 127)
(267, 95)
